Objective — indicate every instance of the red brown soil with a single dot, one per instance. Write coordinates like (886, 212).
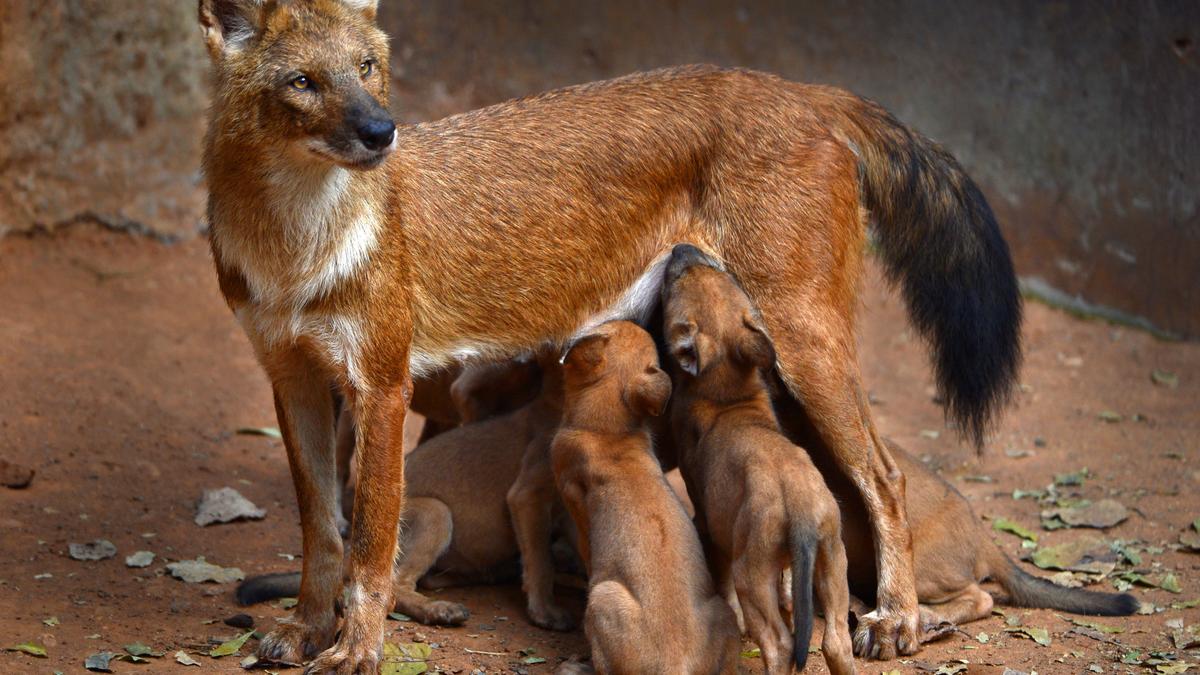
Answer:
(124, 378)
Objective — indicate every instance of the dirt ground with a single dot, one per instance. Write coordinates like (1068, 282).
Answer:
(123, 378)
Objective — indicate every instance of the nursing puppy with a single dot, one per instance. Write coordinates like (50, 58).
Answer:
(652, 607)
(760, 503)
(456, 528)
(954, 552)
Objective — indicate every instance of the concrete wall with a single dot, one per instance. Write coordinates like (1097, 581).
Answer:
(1078, 118)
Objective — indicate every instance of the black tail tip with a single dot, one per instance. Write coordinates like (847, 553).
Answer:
(1124, 604)
(263, 588)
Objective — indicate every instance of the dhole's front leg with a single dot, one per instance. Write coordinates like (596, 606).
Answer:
(304, 406)
(379, 412)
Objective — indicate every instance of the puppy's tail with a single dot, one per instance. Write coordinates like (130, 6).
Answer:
(940, 241)
(1026, 590)
(268, 587)
(804, 546)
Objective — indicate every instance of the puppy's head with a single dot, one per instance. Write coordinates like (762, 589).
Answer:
(709, 321)
(616, 368)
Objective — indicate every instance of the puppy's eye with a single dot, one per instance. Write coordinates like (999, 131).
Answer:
(302, 83)
(366, 68)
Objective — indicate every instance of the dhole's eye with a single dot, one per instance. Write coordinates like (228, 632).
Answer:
(301, 83)
(366, 68)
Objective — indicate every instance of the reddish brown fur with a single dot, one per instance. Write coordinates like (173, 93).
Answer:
(652, 607)
(759, 500)
(502, 229)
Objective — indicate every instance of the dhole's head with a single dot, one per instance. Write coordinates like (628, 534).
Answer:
(709, 322)
(309, 77)
(611, 376)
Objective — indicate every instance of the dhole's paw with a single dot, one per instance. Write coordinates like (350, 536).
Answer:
(443, 613)
(295, 642)
(551, 617)
(354, 659)
(884, 635)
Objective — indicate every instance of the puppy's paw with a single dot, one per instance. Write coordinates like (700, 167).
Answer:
(884, 635)
(551, 617)
(443, 613)
(294, 641)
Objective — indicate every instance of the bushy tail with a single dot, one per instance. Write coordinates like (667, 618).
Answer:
(1026, 590)
(804, 545)
(940, 241)
(268, 587)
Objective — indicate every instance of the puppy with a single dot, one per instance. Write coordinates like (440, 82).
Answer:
(652, 607)
(456, 527)
(759, 500)
(954, 552)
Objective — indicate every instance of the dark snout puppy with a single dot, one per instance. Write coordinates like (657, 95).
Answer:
(652, 607)
(761, 504)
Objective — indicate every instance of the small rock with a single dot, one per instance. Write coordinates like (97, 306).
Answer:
(198, 571)
(139, 559)
(15, 476)
(1039, 442)
(99, 549)
(224, 506)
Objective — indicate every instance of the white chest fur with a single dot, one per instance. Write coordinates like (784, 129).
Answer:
(318, 235)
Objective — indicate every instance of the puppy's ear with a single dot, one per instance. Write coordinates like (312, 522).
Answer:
(690, 349)
(648, 393)
(230, 26)
(586, 354)
(754, 347)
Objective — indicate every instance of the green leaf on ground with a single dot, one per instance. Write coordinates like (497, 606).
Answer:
(1094, 625)
(31, 648)
(270, 432)
(230, 647)
(1013, 527)
(139, 649)
(406, 658)
(1165, 378)
(754, 653)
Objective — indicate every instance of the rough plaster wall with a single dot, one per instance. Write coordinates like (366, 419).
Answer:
(1080, 119)
(101, 114)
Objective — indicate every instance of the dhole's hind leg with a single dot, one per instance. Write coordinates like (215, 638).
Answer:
(972, 604)
(833, 594)
(426, 534)
(817, 363)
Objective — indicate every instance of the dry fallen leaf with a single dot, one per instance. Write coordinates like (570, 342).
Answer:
(1038, 635)
(1099, 515)
(183, 658)
(31, 648)
(199, 570)
(230, 647)
(225, 506)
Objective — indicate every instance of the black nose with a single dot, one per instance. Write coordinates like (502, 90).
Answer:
(376, 134)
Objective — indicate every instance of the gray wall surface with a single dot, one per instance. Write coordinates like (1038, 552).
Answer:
(1078, 118)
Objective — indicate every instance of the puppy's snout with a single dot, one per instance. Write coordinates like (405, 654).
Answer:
(376, 133)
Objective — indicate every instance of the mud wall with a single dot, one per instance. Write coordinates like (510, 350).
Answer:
(1078, 118)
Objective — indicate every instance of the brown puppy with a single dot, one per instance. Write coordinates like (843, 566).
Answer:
(456, 528)
(954, 552)
(761, 504)
(651, 607)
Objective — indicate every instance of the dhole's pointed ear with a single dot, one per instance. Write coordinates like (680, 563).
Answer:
(231, 25)
(586, 354)
(648, 393)
(690, 349)
(367, 7)
(754, 347)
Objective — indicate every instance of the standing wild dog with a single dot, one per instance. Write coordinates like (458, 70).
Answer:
(652, 606)
(760, 503)
(357, 255)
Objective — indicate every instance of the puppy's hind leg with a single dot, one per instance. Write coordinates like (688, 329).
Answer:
(971, 604)
(531, 503)
(613, 623)
(428, 528)
(755, 574)
(832, 591)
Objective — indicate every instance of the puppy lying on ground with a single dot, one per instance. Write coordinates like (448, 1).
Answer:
(952, 549)
(651, 606)
(760, 503)
(456, 528)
